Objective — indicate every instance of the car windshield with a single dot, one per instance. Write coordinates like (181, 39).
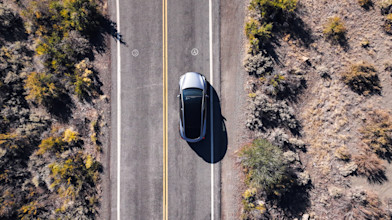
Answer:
(192, 111)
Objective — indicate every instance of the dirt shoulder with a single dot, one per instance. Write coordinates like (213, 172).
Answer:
(233, 103)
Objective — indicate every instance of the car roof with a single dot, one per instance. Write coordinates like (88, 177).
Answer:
(193, 101)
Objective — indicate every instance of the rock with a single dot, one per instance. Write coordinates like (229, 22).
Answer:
(297, 143)
(306, 60)
(2, 152)
(290, 156)
(305, 216)
(303, 178)
(348, 169)
(103, 97)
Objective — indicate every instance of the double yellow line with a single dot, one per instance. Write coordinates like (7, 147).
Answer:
(165, 114)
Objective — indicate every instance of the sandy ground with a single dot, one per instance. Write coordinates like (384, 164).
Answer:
(233, 103)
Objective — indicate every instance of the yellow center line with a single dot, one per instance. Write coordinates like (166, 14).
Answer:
(165, 114)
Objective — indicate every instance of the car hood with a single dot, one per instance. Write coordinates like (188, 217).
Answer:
(191, 80)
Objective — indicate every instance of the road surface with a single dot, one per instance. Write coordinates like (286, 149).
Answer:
(137, 188)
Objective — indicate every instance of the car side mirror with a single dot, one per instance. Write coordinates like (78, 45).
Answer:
(178, 96)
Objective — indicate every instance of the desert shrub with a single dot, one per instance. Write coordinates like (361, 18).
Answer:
(84, 80)
(334, 29)
(386, 6)
(59, 143)
(265, 167)
(362, 78)
(7, 141)
(74, 179)
(253, 207)
(377, 133)
(284, 85)
(388, 24)
(258, 65)
(63, 16)
(14, 61)
(271, 10)
(51, 144)
(64, 31)
(8, 204)
(95, 132)
(60, 54)
(371, 166)
(41, 88)
(258, 34)
(364, 205)
(258, 29)
(267, 113)
(32, 210)
(7, 17)
(365, 3)
(70, 136)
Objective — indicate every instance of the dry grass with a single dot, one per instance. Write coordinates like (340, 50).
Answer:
(364, 205)
(342, 153)
(370, 165)
(377, 133)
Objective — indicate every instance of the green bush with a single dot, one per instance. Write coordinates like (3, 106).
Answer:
(266, 168)
(363, 79)
(258, 65)
(259, 30)
(257, 33)
(272, 9)
(61, 17)
(334, 29)
(61, 54)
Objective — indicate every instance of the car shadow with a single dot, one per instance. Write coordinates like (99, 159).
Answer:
(212, 153)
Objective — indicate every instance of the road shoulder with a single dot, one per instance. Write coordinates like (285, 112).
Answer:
(233, 103)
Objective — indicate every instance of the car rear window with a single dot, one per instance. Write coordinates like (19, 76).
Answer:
(193, 99)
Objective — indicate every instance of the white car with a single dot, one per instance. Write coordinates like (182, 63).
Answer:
(193, 106)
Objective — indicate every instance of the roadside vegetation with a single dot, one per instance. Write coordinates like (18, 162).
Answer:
(272, 166)
(334, 30)
(363, 79)
(49, 157)
(318, 82)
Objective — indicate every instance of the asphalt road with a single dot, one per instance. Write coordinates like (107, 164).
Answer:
(189, 166)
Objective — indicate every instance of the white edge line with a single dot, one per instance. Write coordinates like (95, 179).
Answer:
(118, 110)
(211, 109)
